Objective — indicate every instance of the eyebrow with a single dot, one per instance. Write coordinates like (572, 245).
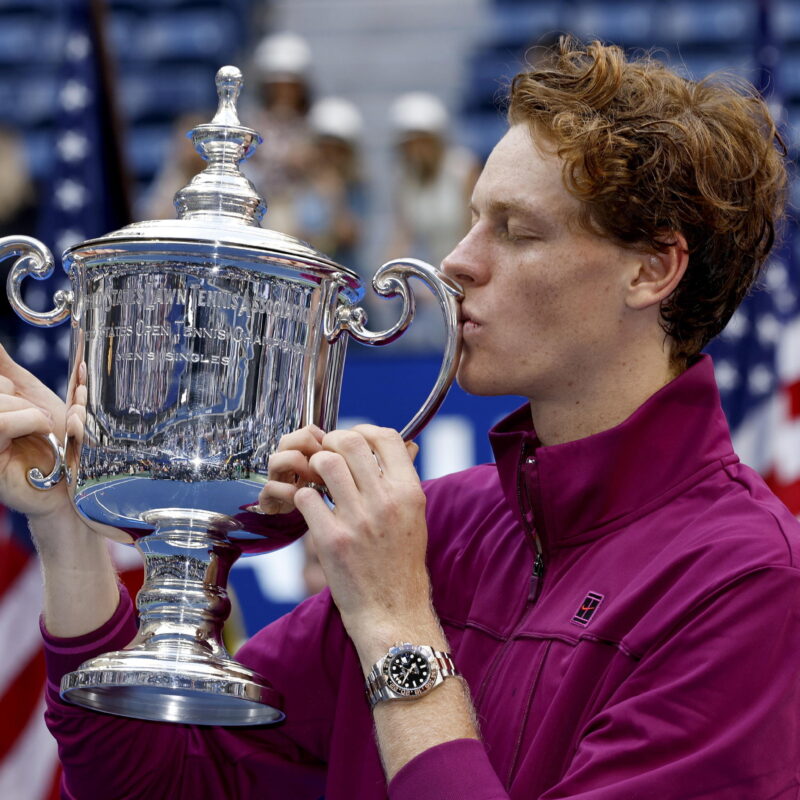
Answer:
(517, 206)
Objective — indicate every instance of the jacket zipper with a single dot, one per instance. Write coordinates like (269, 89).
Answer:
(537, 573)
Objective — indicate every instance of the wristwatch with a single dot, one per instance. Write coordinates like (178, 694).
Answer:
(408, 671)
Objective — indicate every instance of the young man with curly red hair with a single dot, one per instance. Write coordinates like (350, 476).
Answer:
(613, 607)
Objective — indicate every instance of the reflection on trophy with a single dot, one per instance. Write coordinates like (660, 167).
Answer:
(196, 344)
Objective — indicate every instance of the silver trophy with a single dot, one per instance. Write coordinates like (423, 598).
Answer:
(196, 344)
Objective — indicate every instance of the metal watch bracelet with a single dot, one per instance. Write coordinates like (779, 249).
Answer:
(377, 686)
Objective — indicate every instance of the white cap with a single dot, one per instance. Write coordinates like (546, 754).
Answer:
(419, 112)
(336, 117)
(282, 55)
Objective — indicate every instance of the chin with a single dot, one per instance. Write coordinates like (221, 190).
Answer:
(482, 385)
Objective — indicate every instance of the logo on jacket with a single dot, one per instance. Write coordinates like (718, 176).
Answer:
(584, 614)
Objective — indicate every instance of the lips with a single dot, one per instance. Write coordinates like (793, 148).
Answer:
(468, 319)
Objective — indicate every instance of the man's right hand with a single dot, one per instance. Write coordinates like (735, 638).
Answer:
(289, 469)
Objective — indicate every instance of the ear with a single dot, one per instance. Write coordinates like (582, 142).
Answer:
(656, 275)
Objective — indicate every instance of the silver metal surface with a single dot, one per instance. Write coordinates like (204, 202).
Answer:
(36, 260)
(391, 280)
(196, 344)
(40, 481)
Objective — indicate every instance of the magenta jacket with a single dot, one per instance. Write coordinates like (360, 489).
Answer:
(625, 609)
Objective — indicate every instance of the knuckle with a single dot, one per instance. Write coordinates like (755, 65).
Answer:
(275, 461)
(365, 428)
(295, 439)
(324, 459)
(285, 442)
(342, 440)
(411, 495)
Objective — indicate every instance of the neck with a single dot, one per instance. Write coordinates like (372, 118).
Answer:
(592, 406)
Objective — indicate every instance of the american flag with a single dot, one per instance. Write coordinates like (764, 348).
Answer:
(85, 197)
(757, 365)
(757, 357)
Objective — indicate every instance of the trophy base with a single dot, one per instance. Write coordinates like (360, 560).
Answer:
(197, 690)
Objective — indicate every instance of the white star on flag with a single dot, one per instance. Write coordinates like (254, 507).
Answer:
(74, 96)
(70, 194)
(768, 329)
(63, 343)
(737, 326)
(32, 348)
(72, 146)
(78, 46)
(760, 379)
(726, 374)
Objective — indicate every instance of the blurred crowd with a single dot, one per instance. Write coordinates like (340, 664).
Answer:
(311, 171)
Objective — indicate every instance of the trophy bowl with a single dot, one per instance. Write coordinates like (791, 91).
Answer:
(196, 344)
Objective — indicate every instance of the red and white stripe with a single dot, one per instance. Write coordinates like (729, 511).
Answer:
(28, 757)
(769, 439)
(29, 768)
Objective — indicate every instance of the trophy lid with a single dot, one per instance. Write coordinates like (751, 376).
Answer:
(220, 207)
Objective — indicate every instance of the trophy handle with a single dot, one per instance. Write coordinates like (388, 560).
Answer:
(391, 280)
(36, 260)
(44, 482)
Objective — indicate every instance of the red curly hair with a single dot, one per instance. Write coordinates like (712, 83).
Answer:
(651, 154)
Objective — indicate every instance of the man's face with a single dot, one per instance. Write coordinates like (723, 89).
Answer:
(544, 306)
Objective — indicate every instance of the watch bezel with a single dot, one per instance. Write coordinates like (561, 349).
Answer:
(404, 691)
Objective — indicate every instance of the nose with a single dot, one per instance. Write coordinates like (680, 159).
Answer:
(466, 263)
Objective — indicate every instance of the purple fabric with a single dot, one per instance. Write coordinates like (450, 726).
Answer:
(657, 656)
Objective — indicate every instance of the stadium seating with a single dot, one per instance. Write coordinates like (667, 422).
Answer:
(165, 50)
(750, 39)
(165, 53)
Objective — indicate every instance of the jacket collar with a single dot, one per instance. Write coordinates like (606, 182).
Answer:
(591, 486)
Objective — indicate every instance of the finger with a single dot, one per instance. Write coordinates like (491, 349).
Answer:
(358, 456)
(413, 450)
(15, 424)
(335, 473)
(10, 402)
(276, 497)
(392, 452)
(81, 396)
(289, 465)
(7, 385)
(314, 509)
(76, 421)
(307, 440)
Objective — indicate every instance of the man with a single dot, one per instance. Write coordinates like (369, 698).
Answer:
(620, 596)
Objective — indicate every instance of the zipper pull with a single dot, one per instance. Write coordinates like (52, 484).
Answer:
(536, 578)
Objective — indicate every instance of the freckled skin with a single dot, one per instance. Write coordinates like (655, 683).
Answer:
(550, 298)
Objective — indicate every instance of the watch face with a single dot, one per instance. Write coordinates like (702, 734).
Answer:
(408, 672)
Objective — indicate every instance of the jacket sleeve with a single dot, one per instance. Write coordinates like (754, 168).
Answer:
(114, 758)
(710, 713)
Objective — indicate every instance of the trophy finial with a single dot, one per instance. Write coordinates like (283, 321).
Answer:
(221, 189)
(229, 84)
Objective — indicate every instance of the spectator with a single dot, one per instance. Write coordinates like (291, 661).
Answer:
(434, 182)
(182, 164)
(281, 67)
(329, 207)
(432, 189)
